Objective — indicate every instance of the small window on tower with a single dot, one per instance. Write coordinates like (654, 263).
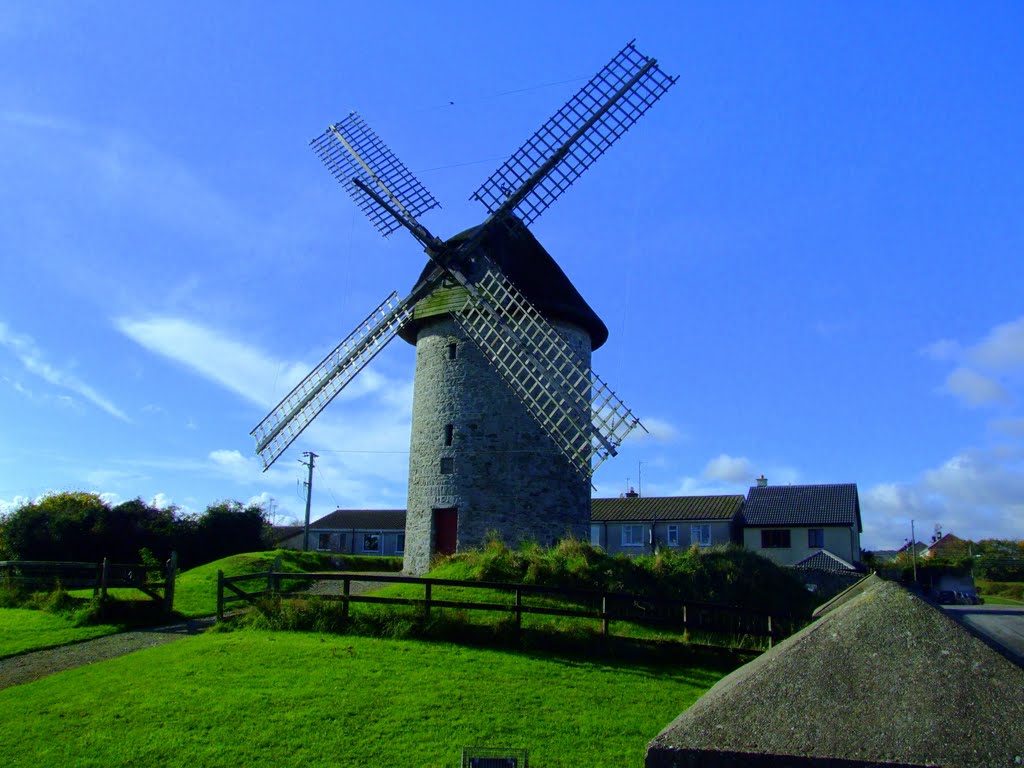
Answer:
(447, 465)
(452, 350)
(449, 434)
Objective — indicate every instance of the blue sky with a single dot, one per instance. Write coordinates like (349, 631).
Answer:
(809, 254)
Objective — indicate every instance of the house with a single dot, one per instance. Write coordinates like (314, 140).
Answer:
(791, 523)
(948, 546)
(354, 532)
(638, 525)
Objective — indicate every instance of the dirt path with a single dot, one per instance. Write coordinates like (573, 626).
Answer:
(32, 666)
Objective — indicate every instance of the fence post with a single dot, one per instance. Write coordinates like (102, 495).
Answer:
(519, 610)
(172, 569)
(684, 616)
(604, 615)
(220, 595)
(346, 589)
(427, 605)
(771, 633)
(103, 579)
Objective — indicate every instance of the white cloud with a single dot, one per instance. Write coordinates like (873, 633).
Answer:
(161, 501)
(1012, 427)
(12, 505)
(658, 430)
(974, 494)
(32, 358)
(1002, 348)
(975, 389)
(943, 349)
(731, 469)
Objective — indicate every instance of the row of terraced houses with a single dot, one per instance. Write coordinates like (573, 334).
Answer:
(804, 526)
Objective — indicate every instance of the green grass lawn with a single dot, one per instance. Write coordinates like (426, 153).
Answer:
(23, 629)
(996, 600)
(287, 699)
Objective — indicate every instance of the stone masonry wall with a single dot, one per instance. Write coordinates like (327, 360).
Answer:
(507, 476)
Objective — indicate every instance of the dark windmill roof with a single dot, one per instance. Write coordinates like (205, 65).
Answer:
(362, 519)
(823, 560)
(832, 504)
(665, 508)
(531, 268)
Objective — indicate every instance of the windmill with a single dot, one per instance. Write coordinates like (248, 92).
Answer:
(509, 421)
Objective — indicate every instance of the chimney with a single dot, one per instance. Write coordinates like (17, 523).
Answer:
(631, 494)
(762, 481)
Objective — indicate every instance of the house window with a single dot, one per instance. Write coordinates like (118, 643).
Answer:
(595, 535)
(323, 541)
(816, 538)
(447, 465)
(452, 350)
(700, 535)
(632, 535)
(342, 539)
(400, 544)
(449, 434)
(775, 539)
(371, 542)
(672, 536)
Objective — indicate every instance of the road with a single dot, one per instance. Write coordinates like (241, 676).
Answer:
(1003, 624)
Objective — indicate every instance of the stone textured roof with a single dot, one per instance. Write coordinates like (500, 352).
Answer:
(532, 269)
(645, 509)
(832, 504)
(823, 560)
(362, 519)
(882, 679)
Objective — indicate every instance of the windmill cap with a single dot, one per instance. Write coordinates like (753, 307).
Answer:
(531, 268)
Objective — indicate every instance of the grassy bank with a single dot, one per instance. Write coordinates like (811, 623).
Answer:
(24, 629)
(285, 699)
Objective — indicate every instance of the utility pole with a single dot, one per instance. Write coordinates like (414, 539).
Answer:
(309, 496)
(913, 548)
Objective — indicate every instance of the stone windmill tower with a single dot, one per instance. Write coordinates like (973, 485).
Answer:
(509, 420)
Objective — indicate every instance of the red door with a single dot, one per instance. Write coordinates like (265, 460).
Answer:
(446, 527)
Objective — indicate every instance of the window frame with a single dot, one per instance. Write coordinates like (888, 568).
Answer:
(400, 544)
(700, 540)
(376, 535)
(672, 535)
(819, 535)
(776, 538)
(631, 529)
(320, 537)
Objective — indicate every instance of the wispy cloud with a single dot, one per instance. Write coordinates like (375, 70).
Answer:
(33, 360)
(731, 469)
(975, 389)
(976, 494)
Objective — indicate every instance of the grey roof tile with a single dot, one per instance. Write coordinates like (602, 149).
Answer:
(825, 505)
(647, 508)
(823, 560)
(362, 519)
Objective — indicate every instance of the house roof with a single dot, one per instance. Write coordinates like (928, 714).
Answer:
(279, 533)
(362, 519)
(832, 504)
(647, 508)
(946, 545)
(823, 560)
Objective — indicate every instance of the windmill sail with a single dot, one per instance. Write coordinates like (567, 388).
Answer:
(578, 411)
(572, 140)
(351, 150)
(299, 407)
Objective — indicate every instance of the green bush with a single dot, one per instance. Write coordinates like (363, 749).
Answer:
(1011, 589)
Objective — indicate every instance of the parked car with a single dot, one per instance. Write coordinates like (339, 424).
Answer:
(946, 597)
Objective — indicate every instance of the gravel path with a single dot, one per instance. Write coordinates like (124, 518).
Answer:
(32, 666)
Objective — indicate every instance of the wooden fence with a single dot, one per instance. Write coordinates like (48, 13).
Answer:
(45, 574)
(591, 604)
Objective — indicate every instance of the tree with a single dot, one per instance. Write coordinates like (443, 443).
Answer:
(225, 528)
(61, 526)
